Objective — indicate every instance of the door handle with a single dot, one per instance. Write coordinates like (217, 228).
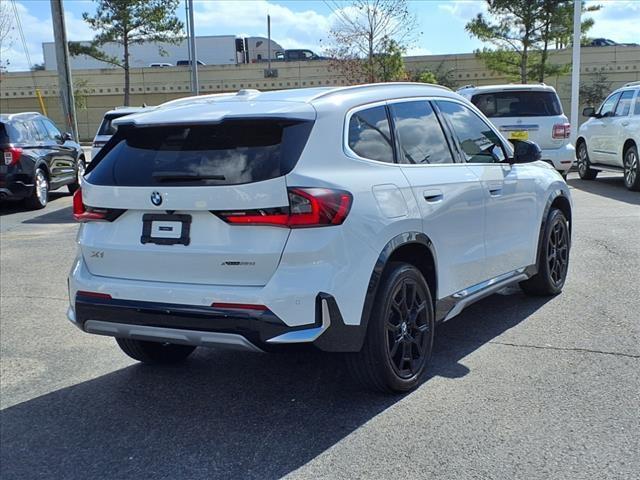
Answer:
(433, 196)
(495, 191)
(625, 123)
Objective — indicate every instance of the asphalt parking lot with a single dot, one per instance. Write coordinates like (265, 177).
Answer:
(519, 387)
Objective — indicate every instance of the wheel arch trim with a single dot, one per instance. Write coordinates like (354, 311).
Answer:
(551, 199)
(400, 240)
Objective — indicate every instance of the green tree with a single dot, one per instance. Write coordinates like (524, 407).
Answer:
(522, 32)
(388, 65)
(369, 37)
(594, 90)
(127, 23)
(427, 76)
(440, 76)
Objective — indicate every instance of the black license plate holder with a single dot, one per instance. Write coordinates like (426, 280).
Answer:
(147, 228)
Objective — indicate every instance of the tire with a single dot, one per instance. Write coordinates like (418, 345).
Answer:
(399, 337)
(582, 159)
(79, 172)
(632, 169)
(40, 195)
(154, 352)
(553, 257)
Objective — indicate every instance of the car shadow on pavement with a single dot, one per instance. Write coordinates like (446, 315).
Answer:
(10, 207)
(63, 215)
(221, 414)
(610, 187)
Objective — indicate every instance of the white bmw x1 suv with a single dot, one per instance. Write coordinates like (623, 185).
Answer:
(351, 219)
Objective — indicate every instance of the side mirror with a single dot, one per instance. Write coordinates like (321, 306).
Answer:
(66, 136)
(525, 151)
(589, 112)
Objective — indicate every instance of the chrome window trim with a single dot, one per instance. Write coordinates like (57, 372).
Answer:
(352, 111)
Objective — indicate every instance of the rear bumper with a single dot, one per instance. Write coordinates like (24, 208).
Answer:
(244, 329)
(15, 187)
(561, 158)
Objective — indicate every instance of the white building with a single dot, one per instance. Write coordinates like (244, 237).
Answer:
(211, 50)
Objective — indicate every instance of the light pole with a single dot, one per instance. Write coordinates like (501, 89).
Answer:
(194, 56)
(575, 69)
(65, 84)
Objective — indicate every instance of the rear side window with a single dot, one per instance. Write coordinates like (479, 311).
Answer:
(624, 104)
(518, 104)
(636, 110)
(370, 135)
(13, 132)
(229, 153)
(420, 136)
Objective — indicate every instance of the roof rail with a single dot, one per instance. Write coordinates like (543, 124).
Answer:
(367, 85)
(632, 84)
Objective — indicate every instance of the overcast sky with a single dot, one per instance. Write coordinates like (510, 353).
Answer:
(301, 23)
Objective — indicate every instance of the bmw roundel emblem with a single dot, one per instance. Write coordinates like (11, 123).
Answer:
(156, 198)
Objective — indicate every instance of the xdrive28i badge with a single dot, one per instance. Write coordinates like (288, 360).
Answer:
(156, 198)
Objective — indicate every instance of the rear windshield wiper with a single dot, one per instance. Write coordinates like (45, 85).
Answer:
(184, 177)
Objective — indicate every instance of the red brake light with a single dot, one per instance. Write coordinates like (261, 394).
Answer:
(561, 130)
(11, 155)
(81, 213)
(308, 207)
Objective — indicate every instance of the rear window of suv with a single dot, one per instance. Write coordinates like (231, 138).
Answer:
(14, 132)
(108, 128)
(518, 104)
(229, 153)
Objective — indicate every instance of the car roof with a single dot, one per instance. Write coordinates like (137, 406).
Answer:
(537, 87)
(632, 86)
(7, 117)
(299, 103)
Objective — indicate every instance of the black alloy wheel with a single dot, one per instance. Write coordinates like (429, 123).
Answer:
(408, 327)
(399, 338)
(584, 166)
(558, 252)
(632, 169)
(553, 257)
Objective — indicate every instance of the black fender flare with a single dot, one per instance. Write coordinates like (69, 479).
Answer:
(545, 214)
(357, 334)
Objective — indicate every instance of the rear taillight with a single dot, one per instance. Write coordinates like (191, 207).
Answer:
(83, 213)
(11, 155)
(561, 130)
(308, 207)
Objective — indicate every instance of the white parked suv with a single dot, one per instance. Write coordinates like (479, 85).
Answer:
(352, 219)
(609, 140)
(528, 112)
(107, 129)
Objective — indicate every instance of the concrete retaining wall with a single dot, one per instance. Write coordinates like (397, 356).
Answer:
(104, 88)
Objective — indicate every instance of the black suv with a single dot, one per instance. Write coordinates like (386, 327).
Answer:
(36, 158)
